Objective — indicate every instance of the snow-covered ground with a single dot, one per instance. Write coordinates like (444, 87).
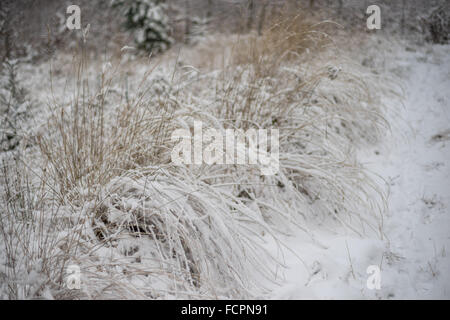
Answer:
(414, 161)
(330, 262)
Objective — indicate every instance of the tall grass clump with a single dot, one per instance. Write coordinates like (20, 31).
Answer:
(295, 78)
(36, 237)
(146, 228)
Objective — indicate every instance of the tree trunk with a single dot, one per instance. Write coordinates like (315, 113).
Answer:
(262, 17)
(187, 21)
(210, 9)
(251, 12)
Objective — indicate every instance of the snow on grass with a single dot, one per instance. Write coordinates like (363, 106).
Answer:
(140, 227)
(413, 161)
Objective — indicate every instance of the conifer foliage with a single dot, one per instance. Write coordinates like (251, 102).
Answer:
(149, 22)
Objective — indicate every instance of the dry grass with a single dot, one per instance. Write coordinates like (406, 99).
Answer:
(37, 239)
(148, 229)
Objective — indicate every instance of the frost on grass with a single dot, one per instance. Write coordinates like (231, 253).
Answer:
(140, 227)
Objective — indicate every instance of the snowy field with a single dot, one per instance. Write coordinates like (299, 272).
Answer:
(349, 200)
(414, 162)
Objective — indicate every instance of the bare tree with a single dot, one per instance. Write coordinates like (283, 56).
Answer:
(340, 5)
(187, 21)
(210, 9)
(403, 17)
(262, 17)
(251, 12)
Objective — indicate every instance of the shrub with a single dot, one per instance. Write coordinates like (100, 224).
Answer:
(438, 24)
(13, 106)
(148, 22)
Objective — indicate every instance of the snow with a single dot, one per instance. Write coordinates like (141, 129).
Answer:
(414, 162)
(326, 262)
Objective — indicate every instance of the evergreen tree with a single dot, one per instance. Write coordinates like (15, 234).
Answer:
(149, 23)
